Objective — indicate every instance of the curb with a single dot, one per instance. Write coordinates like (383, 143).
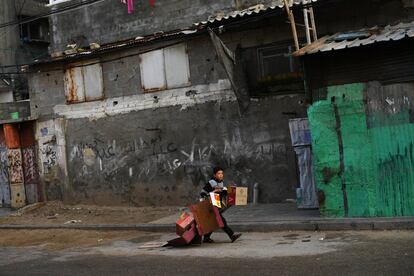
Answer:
(322, 225)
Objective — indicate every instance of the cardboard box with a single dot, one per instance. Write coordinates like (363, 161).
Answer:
(184, 223)
(188, 237)
(215, 199)
(237, 195)
(207, 217)
(241, 196)
(231, 195)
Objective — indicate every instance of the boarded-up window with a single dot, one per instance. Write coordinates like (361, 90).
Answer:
(165, 68)
(83, 83)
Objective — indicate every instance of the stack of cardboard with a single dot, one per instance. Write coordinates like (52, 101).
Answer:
(205, 217)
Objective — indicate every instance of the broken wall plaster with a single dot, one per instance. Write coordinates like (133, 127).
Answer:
(220, 91)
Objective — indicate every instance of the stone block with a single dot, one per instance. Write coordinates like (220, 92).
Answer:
(18, 195)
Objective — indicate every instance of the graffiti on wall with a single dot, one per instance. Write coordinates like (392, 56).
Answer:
(4, 177)
(15, 163)
(145, 158)
(31, 174)
(48, 157)
(104, 150)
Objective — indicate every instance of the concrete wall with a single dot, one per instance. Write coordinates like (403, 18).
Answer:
(159, 148)
(165, 155)
(46, 90)
(12, 49)
(10, 39)
(50, 137)
(116, 24)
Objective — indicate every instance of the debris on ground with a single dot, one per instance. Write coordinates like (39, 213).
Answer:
(153, 245)
(56, 212)
(73, 221)
(52, 216)
(57, 239)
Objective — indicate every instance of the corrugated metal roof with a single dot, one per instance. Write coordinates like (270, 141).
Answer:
(359, 38)
(260, 8)
(121, 45)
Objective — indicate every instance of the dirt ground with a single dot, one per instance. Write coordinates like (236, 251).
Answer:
(55, 212)
(65, 239)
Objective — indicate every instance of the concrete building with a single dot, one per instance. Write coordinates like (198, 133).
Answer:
(24, 38)
(139, 108)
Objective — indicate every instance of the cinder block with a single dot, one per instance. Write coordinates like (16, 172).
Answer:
(18, 196)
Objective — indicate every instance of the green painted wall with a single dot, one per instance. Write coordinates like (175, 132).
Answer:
(362, 171)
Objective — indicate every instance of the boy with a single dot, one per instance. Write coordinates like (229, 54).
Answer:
(216, 185)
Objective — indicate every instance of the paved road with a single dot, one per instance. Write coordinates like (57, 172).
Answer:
(292, 253)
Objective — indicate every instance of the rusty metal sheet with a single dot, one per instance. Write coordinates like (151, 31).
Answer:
(15, 164)
(12, 136)
(18, 195)
(74, 88)
(93, 83)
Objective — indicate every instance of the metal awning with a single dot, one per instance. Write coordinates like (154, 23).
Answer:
(359, 38)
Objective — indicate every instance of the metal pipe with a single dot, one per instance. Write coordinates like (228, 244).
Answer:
(307, 31)
(256, 193)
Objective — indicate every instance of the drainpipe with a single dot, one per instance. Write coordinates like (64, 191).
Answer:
(256, 193)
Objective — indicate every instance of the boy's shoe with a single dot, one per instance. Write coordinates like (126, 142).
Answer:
(235, 237)
(208, 240)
